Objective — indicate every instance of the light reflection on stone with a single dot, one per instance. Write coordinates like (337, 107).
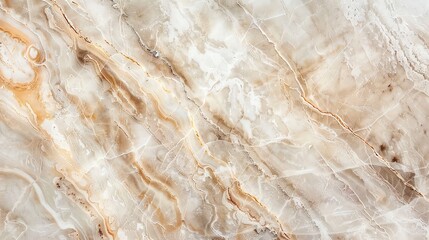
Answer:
(214, 119)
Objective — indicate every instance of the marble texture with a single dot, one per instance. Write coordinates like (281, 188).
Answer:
(180, 119)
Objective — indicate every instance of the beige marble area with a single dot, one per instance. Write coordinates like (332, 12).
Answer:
(214, 119)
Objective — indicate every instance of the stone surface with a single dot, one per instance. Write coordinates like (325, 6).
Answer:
(280, 119)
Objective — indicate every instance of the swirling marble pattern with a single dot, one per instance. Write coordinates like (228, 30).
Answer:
(215, 119)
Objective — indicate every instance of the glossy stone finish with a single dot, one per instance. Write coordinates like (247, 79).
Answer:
(182, 119)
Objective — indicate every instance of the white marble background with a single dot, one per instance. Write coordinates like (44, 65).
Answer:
(279, 119)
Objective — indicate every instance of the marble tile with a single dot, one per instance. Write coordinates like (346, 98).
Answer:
(280, 119)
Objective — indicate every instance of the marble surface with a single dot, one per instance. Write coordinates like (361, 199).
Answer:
(215, 119)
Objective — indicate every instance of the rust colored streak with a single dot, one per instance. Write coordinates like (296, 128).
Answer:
(154, 183)
(161, 114)
(110, 77)
(378, 156)
(7, 3)
(20, 37)
(122, 91)
(15, 33)
(117, 86)
(27, 94)
(249, 204)
(163, 189)
(70, 24)
(32, 99)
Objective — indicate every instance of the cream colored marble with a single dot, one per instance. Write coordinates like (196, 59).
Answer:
(280, 119)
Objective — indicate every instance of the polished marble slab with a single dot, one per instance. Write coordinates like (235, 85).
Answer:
(214, 119)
